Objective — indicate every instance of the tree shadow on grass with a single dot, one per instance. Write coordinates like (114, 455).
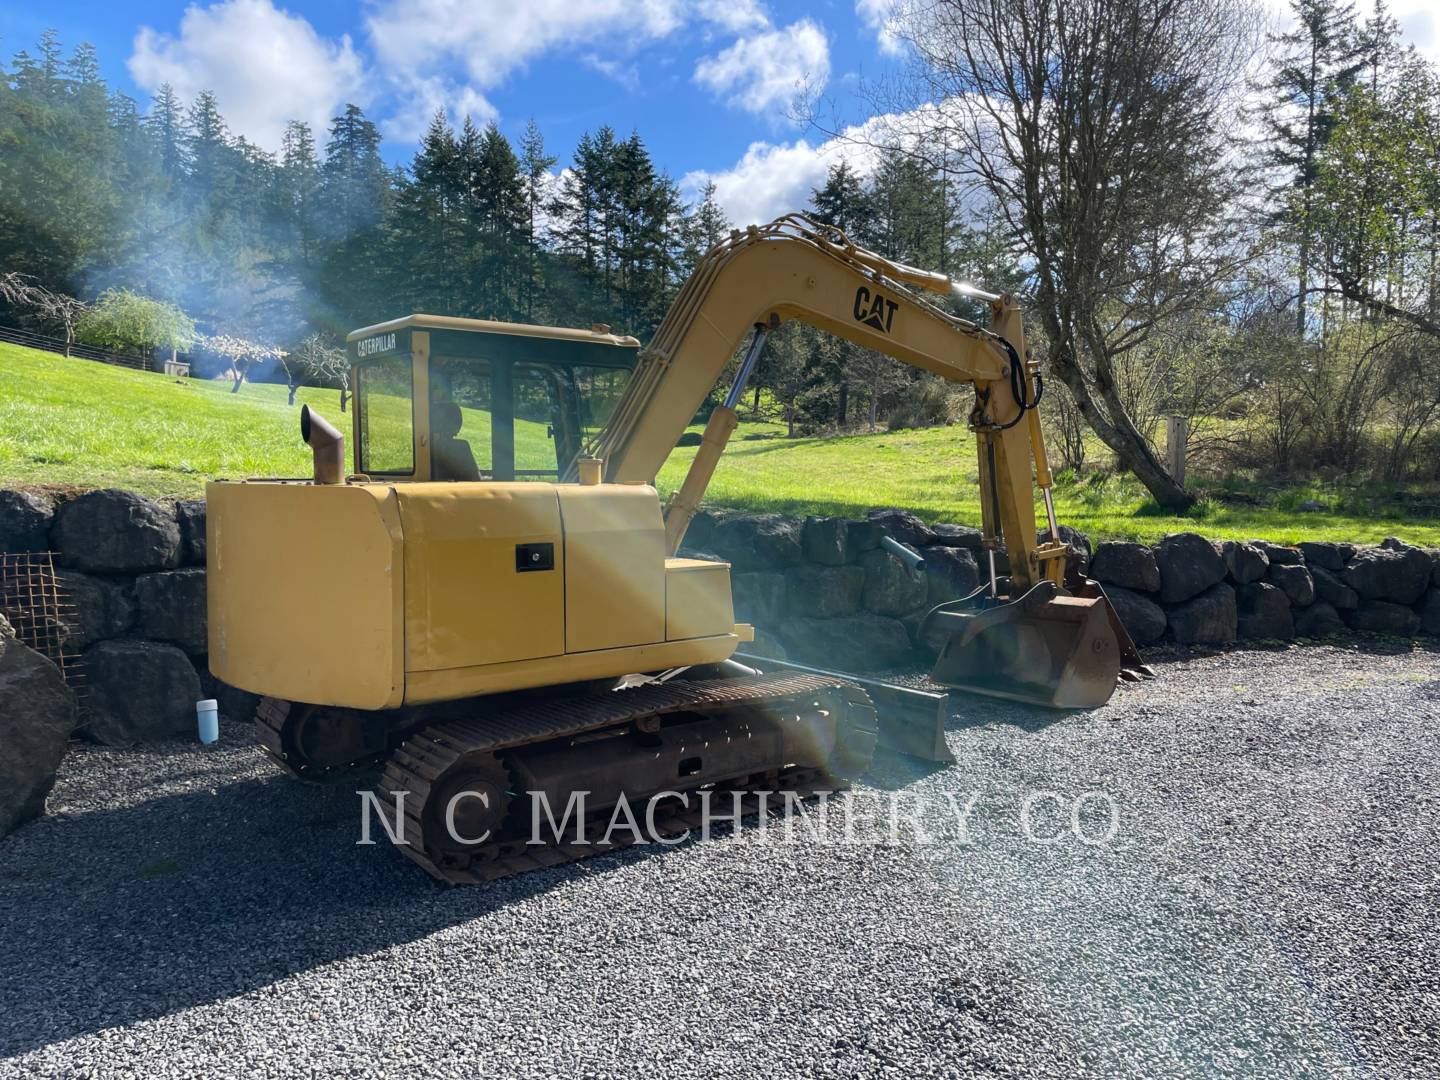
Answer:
(115, 916)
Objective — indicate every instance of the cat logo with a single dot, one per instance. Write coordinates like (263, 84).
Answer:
(874, 310)
(371, 345)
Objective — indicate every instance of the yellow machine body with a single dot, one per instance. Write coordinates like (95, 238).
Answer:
(376, 595)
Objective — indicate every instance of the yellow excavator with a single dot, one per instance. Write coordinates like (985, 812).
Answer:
(493, 602)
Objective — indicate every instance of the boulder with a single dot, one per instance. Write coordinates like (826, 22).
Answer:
(1394, 571)
(1244, 562)
(863, 536)
(1294, 581)
(139, 691)
(1142, 617)
(950, 573)
(826, 540)
(190, 516)
(1326, 555)
(171, 607)
(1263, 611)
(904, 526)
(1078, 541)
(824, 592)
(1319, 620)
(1129, 565)
(699, 533)
(1330, 589)
(32, 618)
(1189, 564)
(759, 597)
(25, 520)
(1383, 617)
(891, 587)
(1429, 612)
(854, 643)
(37, 716)
(1207, 619)
(116, 532)
(1280, 554)
(1435, 571)
(758, 541)
(959, 536)
(101, 607)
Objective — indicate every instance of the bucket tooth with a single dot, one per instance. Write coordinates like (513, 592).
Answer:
(1047, 648)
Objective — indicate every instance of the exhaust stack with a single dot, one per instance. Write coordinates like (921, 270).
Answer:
(326, 443)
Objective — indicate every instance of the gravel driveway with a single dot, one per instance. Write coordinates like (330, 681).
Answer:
(1268, 904)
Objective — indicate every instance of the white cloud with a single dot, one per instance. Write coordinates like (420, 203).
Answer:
(489, 44)
(265, 65)
(415, 41)
(776, 178)
(627, 75)
(882, 17)
(421, 99)
(733, 15)
(772, 71)
(1419, 21)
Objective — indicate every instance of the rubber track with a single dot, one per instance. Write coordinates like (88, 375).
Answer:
(425, 756)
(270, 717)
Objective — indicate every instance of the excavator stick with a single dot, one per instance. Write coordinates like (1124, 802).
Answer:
(1058, 650)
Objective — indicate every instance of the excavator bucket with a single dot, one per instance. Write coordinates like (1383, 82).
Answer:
(1048, 648)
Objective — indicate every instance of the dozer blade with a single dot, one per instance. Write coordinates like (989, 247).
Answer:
(908, 721)
(1045, 648)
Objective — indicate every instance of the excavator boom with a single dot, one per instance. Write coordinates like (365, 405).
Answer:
(1039, 639)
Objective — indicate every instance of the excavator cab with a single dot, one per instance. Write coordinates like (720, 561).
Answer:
(449, 399)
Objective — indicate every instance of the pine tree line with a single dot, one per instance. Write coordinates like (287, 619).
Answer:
(324, 235)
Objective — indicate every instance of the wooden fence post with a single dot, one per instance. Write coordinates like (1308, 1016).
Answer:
(1177, 431)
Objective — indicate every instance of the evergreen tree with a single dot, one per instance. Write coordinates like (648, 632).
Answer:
(353, 282)
(705, 226)
(1378, 45)
(355, 180)
(300, 192)
(427, 231)
(907, 212)
(166, 122)
(496, 192)
(1322, 60)
(535, 166)
(843, 202)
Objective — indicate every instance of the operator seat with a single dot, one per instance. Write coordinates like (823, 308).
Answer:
(450, 458)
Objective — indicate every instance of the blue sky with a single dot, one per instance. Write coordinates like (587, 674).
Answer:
(705, 82)
(711, 85)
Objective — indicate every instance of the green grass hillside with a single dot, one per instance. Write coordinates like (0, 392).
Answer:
(933, 472)
(81, 423)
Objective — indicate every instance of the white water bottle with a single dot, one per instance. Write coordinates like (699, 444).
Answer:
(207, 716)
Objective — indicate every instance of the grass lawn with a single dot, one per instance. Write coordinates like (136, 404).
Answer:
(77, 422)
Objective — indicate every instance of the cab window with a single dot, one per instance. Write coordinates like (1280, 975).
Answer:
(473, 436)
(385, 397)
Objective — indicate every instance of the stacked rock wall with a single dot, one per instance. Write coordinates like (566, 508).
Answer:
(825, 592)
(133, 571)
(820, 591)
